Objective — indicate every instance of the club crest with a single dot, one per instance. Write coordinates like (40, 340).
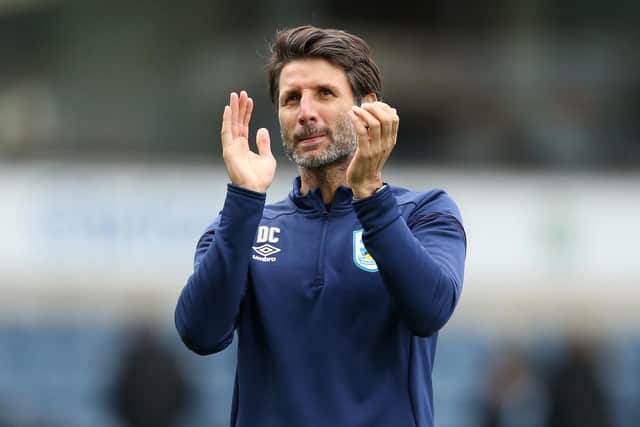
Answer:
(361, 257)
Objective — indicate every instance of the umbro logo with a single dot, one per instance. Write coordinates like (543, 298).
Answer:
(266, 249)
(266, 235)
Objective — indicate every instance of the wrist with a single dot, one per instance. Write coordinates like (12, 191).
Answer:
(361, 192)
(252, 187)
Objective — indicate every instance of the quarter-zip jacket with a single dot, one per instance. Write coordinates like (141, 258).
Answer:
(337, 310)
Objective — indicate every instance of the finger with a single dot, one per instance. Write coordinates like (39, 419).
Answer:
(379, 105)
(225, 133)
(361, 125)
(378, 108)
(396, 124)
(389, 125)
(233, 103)
(263, 141)
(382, 112)
(373, 124)
(242, 109)
(247, 117)
(363, 133)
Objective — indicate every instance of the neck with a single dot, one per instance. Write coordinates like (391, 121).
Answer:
(327, 178)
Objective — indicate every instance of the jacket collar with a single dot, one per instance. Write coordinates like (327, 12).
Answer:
(313, 199)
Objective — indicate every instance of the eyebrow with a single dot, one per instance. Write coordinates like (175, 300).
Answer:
(295, 89)
(286, 93)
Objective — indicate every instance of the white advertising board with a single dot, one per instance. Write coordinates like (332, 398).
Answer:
(124, 228)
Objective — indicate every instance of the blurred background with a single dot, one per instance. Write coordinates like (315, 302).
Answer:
(527, 112)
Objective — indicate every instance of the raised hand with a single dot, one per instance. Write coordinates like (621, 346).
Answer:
(376, 124)
(245, 168)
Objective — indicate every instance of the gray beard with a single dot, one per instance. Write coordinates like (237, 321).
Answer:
(343, 144)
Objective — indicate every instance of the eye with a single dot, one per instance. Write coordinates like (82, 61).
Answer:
(290, 98)
(325, 92)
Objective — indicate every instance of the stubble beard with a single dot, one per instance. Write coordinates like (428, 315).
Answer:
(343, 142)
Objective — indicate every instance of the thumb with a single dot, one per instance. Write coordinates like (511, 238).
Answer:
(263, 141)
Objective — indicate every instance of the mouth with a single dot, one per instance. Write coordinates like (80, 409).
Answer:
(313, 139)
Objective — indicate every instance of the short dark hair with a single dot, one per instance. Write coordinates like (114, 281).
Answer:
(338, 47)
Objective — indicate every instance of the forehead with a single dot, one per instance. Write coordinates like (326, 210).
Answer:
(310, 72)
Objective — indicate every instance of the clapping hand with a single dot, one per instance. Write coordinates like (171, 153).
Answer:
(245, 168)
(376, 125)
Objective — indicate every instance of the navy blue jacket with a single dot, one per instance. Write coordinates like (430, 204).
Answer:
(337, 310)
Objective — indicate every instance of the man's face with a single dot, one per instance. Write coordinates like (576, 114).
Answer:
(313, 104)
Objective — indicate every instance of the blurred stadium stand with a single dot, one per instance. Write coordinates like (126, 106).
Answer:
(58, 375)
(527, 112)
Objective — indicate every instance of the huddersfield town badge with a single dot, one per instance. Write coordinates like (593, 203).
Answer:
(361, 257)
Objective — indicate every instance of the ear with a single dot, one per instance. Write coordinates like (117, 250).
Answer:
(370, 98)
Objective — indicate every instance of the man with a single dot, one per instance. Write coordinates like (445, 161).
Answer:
(338, 291)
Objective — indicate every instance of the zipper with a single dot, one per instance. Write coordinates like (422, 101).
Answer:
(319, 277)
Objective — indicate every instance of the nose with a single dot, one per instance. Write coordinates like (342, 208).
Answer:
(307, 113)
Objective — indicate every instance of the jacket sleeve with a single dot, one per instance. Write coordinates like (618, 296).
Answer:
(209, 304)
(421, 260)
